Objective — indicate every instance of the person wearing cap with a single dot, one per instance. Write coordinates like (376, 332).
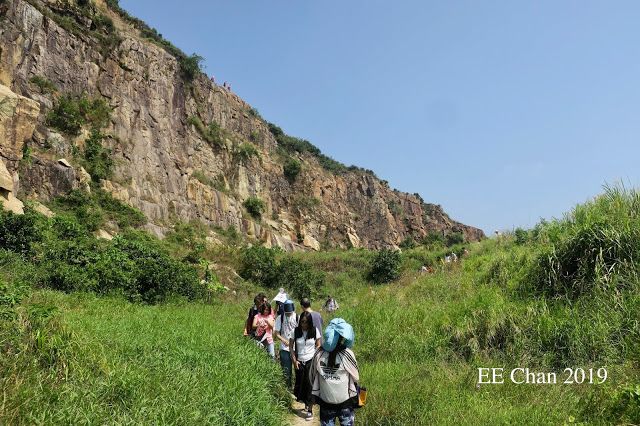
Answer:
(283, 331)
(279, 300)
(334, 375)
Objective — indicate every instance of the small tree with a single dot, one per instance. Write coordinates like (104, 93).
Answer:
(255, 206)
(291, 169)
(190, 66)
(300, 278)
(385, 267)
(259, 265)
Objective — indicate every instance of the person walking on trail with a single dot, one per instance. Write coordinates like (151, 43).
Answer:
(284, 327)
(279, 300)
(330, 305)
(334, 375)
(303, 344)
(263, 325)
(317, 318)
(253, 311)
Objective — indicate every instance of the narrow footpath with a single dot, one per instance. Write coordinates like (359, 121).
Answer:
(297, 419)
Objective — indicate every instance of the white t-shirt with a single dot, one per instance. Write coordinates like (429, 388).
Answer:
(334, 382)
(306, 348)
(286, 331)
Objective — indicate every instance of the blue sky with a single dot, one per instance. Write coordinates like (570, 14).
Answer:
(503, 112)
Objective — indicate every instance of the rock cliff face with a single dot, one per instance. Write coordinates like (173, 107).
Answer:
(164, 166)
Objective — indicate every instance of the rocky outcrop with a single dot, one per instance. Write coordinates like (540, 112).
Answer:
(18, 118)
(164, 166)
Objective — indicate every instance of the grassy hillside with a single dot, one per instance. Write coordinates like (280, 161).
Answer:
(564, 294)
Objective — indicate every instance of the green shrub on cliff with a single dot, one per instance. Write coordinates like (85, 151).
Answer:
(45, 86)
(245, 152)
(291, 169)
(190, 66)
(212, 133)
(255, 207)
(71, 112)
(97, 159)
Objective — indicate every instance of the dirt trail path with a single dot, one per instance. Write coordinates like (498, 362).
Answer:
(297, 419)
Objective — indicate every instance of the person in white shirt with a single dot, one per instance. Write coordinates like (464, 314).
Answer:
(283, 331)
(334, 375)
(303, 344)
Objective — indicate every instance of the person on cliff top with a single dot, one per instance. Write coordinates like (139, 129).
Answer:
(303, 344)
(334, 375)
(283, 331)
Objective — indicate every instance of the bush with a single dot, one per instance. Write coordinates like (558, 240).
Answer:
(245, 151)
(521, 235)
(20, 233)
(43, 84)
(190, 66)
(156, 274)
(454, 238)
(300, 278)
(385, 267)
(408, 243)
(97, 159)
(292, 144)
(255, 207)
(92, 209)
(260, 266)
(433, 238)
(212, 133)
(70, 113)
(291, 169)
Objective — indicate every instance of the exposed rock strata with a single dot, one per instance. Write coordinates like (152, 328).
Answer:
(161, 158)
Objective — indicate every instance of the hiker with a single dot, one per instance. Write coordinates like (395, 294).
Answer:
(213, 79)
(279, 299)
(263, 325)
(253, 311)
(454, 257)
(330, 305)
(285, 324)
(317, 318)
(424, 269)
(334, 375)
(303, 344)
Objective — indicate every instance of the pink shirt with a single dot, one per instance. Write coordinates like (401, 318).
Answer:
(264, 327)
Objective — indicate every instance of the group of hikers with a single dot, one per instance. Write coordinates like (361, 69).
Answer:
(225, 85)
(326, 371)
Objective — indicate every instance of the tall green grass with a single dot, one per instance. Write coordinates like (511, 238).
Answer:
(564, 294)
(115, 362)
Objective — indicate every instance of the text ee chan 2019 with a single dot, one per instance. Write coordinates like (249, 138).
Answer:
(523, 375)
